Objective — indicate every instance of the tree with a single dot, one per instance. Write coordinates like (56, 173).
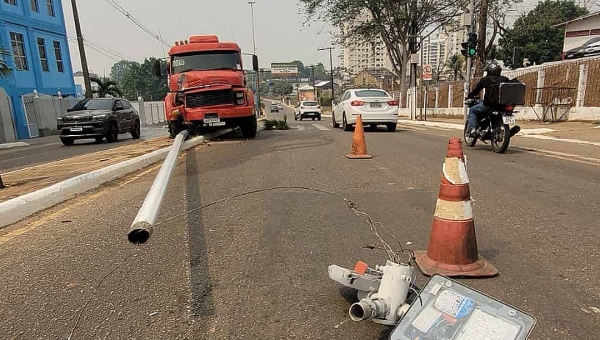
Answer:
(5, 70)
(455, 64)
(140, 80)
(395, 22)
(282, 88)
(535, 37)
(106, 87)
(118, 70)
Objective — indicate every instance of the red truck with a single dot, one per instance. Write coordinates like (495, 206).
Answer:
(207, 87)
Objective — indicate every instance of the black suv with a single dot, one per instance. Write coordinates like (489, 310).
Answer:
(98, 118)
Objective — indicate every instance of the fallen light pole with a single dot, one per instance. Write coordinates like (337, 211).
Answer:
(382, 292)
(141, 228)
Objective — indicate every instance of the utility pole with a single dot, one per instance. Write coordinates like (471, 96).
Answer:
(251, 3)
(84, 65)
(471, 29)
(331, 69)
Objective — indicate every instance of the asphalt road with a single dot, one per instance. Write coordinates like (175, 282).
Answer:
(255, 267)
(48, 149)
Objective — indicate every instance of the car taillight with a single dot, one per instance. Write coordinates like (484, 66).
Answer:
(393, 103)
(357, 103)
(509, 108)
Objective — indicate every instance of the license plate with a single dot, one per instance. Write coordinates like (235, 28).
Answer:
(509, 119)
(211, 120)
(376, 105)
(76, 129)
(217, 124)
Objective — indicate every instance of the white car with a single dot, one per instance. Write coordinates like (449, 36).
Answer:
(307, 109)
(593, 48)
(376, 107)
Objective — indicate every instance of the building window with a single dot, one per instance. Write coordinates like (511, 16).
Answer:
(58, 55)
(43, 56)
(18, 48)
(50, 6)
(11, 2)
(573, 34)
(34, 5)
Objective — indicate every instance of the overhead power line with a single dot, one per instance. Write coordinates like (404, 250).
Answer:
(123, 11)
(97, 50)
(112, 53)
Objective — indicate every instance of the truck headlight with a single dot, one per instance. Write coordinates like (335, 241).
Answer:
(239, 98)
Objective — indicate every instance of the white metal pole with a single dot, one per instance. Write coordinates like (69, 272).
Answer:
(141, 228)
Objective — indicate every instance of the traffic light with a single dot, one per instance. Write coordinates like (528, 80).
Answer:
(469, 47)
(465, 48)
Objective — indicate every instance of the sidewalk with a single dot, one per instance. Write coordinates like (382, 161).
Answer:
(568, 132)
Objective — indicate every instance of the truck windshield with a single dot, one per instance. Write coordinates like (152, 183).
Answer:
(205, 61)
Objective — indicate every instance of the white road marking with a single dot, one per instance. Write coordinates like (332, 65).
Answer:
(298, 127)
(320, 127)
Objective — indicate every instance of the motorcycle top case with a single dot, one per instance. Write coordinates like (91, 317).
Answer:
(512, 93)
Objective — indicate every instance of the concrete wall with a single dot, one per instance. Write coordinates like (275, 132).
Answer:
(7, 128)
(47, 109)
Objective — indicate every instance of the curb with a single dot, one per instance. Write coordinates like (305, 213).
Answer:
(18, 208)
(13, 145)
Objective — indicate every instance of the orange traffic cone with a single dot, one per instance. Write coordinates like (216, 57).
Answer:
(359, 146)
(452, 249)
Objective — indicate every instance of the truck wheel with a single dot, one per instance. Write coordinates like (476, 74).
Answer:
(175, 128)
(248, 127)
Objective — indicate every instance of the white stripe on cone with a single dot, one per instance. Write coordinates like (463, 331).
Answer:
(455, 171)
(454, 211)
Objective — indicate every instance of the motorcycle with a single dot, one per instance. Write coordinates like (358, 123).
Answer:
(494, 127)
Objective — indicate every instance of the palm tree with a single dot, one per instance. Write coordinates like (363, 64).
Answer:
(106, 87)
(4, 68)
(455, 63)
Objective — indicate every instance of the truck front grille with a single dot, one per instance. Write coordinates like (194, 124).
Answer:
(209, 98)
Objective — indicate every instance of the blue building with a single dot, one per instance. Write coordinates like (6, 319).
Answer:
(34, 32)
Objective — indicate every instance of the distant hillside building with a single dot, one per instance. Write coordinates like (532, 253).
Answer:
(34, 33)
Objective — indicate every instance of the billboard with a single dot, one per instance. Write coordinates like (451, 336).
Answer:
(284, 69)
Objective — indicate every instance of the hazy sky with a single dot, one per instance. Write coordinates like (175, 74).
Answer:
(280, 33)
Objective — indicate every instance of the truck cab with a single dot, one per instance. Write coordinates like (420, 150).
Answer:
(207, 88)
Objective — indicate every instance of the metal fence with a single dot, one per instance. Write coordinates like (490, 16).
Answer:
(151, 113)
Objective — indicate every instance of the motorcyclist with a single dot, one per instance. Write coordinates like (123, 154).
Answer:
(491, 83)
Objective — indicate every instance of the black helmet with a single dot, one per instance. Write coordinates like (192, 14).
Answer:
(493, 69)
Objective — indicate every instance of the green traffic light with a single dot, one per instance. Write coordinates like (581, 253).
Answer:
(472, 51)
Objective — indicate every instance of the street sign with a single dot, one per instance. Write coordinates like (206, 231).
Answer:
(284, 69)
(427, 72)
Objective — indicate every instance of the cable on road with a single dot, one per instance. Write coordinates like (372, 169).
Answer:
(104, 277)
(395, 256)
